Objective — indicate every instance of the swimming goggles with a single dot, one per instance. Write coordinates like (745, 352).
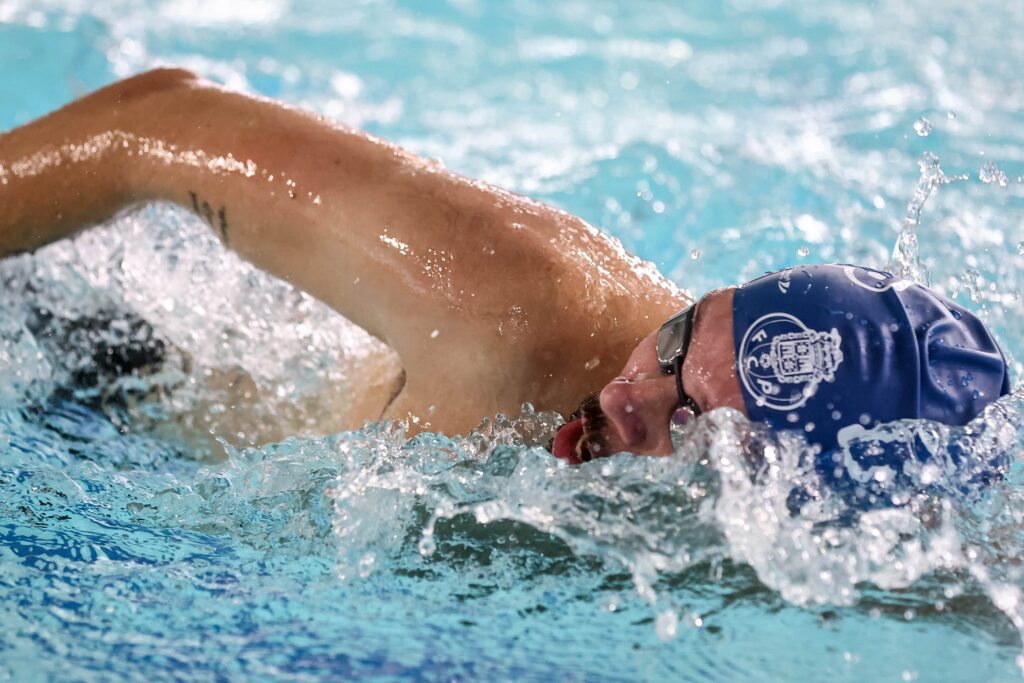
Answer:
(673, 343)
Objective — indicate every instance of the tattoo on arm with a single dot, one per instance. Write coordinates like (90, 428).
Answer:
(217, 220)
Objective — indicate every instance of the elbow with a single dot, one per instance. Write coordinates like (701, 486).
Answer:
(154, 81)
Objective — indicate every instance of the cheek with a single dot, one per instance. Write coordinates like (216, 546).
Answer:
(714, 384)
(710, 378)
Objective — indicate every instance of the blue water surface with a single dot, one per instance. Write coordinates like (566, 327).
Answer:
(718, 140)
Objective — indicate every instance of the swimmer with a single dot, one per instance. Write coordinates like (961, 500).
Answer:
(491, 299)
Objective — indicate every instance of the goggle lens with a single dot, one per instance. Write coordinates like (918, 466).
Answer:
(673, 343)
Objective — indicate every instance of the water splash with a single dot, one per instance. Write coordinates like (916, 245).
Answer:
(906, 260)
(992, 174)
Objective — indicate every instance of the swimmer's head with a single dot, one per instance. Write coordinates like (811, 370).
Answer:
(814, 349)
(633, 411)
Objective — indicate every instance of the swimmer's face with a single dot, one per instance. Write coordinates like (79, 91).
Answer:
(633, 411)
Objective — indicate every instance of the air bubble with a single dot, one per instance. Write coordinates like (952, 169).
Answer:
(695, 254)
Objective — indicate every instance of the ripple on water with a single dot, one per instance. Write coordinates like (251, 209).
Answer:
(723, 130)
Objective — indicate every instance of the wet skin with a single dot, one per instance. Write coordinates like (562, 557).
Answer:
(637, 407)
(488, 299)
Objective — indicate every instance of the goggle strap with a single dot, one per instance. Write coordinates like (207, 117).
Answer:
(685, 400)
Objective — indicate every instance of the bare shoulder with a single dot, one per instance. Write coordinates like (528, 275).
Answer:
(543, 308)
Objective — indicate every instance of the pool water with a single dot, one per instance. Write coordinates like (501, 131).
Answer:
(718, 140)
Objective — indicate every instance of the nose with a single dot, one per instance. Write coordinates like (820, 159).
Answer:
(639, 411)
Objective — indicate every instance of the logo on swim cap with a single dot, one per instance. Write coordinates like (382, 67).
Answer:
(875, 280)
(782, 362)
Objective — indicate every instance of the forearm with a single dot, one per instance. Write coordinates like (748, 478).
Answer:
(57, 174)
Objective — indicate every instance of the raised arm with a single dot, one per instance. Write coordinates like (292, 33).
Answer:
(463, 280)
(334, 211)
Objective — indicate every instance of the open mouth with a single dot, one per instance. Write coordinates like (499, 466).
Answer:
(570, 443)
(580, 439)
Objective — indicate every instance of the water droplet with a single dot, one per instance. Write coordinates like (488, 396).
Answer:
(434, 334)
(695, 254)
(990, 173)
(864, 419)
(366, 565)
(667, 625)
(629, 408)
(922, 127)
(803, 251)
(930, 474)
(951, 115)
(1020, 248)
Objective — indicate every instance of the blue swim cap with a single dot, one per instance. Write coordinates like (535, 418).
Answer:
(819, 348)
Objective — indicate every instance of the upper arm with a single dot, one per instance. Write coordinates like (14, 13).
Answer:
(391, 240)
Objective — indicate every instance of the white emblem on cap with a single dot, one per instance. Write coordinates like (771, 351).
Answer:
(875, 281)
(782, 362)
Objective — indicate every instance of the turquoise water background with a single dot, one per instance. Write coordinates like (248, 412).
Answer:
(718, 140)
